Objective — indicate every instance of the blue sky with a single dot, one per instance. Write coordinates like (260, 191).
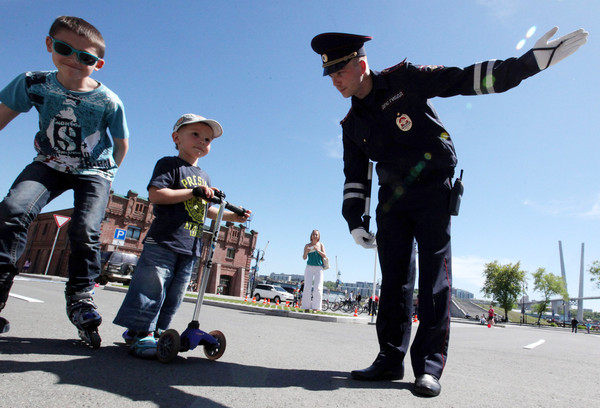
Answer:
(529, 155)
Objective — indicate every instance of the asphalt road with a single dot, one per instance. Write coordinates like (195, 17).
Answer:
(277, 361)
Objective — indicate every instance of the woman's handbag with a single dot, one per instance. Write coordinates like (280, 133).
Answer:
(325, 262)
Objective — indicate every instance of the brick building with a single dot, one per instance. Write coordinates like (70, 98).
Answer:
(133, 214)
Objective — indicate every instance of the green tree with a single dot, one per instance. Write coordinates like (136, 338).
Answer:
(503, 284)
(548, 284)
(329, 285)
(594, 270)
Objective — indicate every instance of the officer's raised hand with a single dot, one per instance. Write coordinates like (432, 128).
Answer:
(363, 238)
(548, 52)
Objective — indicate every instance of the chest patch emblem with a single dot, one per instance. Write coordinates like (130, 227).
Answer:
(404, 123)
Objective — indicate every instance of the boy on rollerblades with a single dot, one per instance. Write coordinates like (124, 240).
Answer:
(173, 244)
(74, 151)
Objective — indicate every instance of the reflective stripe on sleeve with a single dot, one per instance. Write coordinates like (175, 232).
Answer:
(354, 190)
(354, 195)
(487, 81)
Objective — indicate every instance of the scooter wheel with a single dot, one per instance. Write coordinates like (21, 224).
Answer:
(167, 346)
(215, 352)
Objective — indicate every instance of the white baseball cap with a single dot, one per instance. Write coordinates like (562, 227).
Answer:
(193, 118)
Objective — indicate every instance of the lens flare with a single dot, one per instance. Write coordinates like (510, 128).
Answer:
(530, 32)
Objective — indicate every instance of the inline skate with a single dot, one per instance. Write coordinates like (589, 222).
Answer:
(82, 312)
(7, 276)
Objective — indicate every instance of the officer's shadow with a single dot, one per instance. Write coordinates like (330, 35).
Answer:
(110, 369)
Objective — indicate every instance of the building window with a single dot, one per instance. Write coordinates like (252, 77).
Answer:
(133, 232)
(45, 229)
(139, 207)
(230, 253)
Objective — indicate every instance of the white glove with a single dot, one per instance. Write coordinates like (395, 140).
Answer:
(363, 238)
(548, 53)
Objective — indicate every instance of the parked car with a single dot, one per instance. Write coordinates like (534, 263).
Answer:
(273, 292)
(117, 267)
(290, 287)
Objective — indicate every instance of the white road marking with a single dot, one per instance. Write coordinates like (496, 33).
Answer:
(25, 298)
(534, 345)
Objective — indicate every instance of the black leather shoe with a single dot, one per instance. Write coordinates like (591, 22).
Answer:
(379, 371)
(427, 385)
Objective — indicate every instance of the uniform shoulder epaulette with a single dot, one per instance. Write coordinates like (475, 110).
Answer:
(392, 69)
(346, 117)
(429, 68)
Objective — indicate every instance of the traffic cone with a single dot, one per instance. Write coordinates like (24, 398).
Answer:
(264, 301)
(287, 303)
(356, 311)
(246, 298)
(415, 319)
(253, 299)
(277, 302)
(268, 302)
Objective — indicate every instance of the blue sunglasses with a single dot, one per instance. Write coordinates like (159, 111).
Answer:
(62, 48)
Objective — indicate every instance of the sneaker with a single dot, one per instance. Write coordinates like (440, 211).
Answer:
(128, 336)
(144, 347)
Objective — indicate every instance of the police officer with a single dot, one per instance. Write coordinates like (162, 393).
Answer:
(393, 123)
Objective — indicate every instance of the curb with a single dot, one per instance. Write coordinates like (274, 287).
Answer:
(274, 312)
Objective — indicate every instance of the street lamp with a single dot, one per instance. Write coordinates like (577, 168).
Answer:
(523, 300)
(260, 256)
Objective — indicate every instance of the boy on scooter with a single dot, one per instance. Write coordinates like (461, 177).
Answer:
(173, 244)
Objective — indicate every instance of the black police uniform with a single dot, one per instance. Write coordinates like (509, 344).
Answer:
(397, 127)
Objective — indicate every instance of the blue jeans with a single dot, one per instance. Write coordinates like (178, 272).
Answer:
(156, 289)
(35, 187)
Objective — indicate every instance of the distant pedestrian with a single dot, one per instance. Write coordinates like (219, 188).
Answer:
(491, 316)
(314, 254)
(26, 266)
(373, 306)
(574, 324)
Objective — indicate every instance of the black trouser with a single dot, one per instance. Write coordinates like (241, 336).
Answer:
(419, 213)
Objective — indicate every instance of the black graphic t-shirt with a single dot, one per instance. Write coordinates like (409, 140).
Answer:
(178, 226)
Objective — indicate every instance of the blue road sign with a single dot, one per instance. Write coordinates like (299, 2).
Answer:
(120, 234)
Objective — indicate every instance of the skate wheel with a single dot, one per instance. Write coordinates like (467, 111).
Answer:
(95, 340)
(168, 346)
(215, 352)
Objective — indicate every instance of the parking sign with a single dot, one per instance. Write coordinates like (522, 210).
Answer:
(119, 238)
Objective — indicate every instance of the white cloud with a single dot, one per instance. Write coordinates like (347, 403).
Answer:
(569, 208)
(334, 147)
(501, 9)
(467, 273)
(594, 212)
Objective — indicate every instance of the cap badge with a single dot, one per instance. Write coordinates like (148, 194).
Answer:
(404, 123)
(324, 58)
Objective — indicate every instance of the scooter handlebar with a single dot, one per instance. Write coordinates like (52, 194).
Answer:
(218, 198)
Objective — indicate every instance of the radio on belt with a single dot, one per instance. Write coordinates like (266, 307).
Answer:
(456, 195)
